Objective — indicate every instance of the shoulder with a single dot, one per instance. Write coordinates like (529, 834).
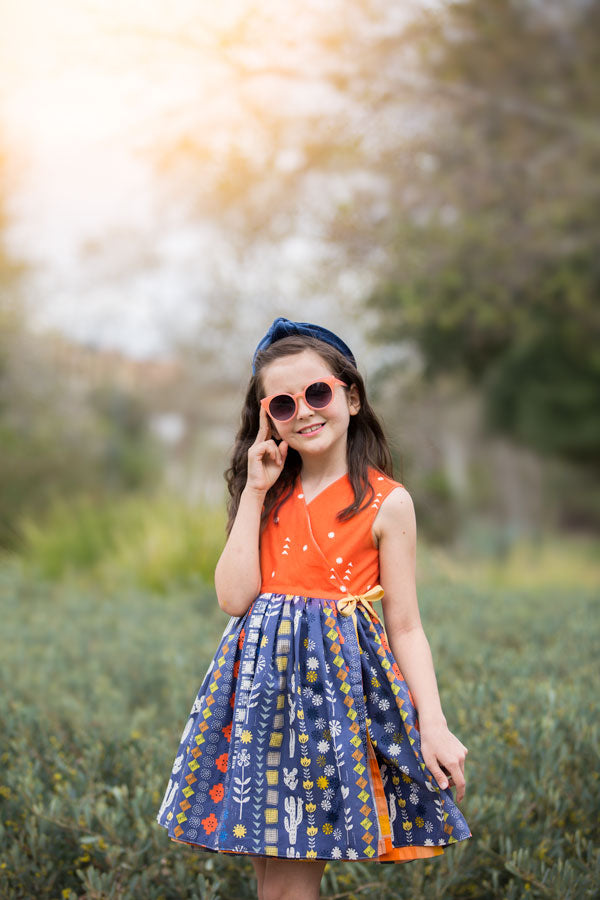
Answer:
(380, 482)
(396, 515)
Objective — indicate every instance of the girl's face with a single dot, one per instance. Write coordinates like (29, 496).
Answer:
(311, 432)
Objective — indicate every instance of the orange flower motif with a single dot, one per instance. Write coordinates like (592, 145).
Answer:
(217, 792)
(227, 731)
(210, 823)
(242, 638)
(221, 762)
(232, 701)
(236, 668)
(396, 671)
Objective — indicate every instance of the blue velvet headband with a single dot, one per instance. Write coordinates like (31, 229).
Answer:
(282, 328)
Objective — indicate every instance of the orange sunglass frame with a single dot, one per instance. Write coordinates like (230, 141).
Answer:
(331, 382)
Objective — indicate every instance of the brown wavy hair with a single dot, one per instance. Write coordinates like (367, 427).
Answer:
(367, 445)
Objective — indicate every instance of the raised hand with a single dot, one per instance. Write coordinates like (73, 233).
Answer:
(265, 458)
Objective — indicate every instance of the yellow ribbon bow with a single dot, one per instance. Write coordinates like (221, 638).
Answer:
(347, 605)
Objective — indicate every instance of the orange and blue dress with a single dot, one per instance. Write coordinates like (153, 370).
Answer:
(303, 740)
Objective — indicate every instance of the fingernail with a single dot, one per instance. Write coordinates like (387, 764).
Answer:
(443, 784)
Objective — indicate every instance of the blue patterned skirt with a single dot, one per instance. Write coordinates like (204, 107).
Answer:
(303, 742)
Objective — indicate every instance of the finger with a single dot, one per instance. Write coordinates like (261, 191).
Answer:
(283, 449)
(268, 450)
(437, 773)
(264, 426)
(458, 777)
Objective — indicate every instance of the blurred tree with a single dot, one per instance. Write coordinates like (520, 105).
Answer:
(56, 442)
(57, 439)
(493, 266)
(126, 458)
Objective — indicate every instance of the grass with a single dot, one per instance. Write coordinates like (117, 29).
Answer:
(100, 673)
(152, 541)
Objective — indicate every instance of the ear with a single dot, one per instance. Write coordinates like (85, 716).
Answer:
(353, 400)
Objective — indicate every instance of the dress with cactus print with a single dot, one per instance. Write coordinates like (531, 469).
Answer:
(303, 740)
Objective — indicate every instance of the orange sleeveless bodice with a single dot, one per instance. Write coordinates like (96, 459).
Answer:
(307, 551)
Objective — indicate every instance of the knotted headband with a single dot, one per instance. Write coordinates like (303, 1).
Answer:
(282, 328)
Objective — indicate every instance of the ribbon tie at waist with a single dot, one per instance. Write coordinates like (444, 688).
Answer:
(347, 605)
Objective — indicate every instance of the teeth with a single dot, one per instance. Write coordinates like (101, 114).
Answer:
(311, 429)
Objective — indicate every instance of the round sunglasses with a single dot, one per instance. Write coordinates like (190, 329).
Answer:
(317, 395)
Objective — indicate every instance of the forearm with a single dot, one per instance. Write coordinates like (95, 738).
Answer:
(413, 654)
(237, 574)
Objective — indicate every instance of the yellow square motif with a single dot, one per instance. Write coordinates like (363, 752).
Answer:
(271, 816)
(285, 627)
(276, 739)
(272, 776)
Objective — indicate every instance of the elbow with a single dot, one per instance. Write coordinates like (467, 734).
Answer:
(233, 606)
(230, 607)
(234, 603)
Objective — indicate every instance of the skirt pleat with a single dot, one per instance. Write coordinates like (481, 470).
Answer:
(303, 742)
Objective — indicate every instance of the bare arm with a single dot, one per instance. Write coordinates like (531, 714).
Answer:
(237, 574)
(395, 529)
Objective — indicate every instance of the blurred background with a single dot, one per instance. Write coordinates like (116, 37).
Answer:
(420, 177)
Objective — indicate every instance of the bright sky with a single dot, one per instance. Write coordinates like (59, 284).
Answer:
(89, 90)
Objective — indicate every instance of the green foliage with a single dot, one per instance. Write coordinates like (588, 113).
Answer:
(127, 458)
(153, 541)
(495, 269)
(102, 680)
(559, 386)
(59, 441)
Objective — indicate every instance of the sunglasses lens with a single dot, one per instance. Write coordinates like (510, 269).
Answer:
(282, 407)
(318, 395)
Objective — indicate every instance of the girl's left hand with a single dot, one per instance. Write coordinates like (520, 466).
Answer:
(444, 756)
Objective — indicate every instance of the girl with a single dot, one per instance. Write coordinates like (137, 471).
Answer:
(315, 735)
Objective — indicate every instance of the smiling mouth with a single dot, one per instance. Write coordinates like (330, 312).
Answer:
(311, 429)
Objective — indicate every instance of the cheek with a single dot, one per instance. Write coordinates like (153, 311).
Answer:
(275, 429)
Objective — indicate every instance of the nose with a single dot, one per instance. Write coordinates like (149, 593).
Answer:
(304, 409)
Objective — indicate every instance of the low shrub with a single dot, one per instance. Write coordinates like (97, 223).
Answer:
(99, 681)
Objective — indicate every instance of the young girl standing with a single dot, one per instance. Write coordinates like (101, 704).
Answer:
(317, 733)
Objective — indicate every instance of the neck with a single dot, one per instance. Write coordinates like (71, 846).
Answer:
(317, 472)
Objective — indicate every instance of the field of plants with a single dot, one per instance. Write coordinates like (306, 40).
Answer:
(99, 673)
